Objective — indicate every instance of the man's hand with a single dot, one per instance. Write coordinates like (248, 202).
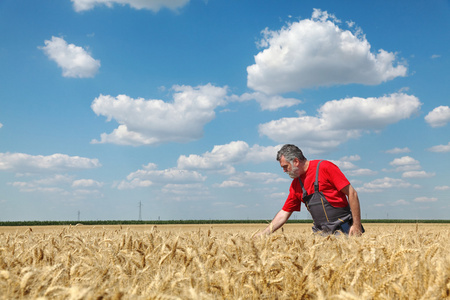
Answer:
(353, 200)
(280, 218)
(356, 230)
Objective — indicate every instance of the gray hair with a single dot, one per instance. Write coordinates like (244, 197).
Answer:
(290, 152)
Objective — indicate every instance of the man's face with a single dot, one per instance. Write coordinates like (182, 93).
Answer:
(290, 168)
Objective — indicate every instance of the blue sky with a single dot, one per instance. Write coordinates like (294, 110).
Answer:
(181, 105)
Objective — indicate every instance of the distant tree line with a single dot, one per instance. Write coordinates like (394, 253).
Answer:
(185, 222)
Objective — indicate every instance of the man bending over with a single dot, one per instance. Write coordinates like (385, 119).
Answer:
(325, 191)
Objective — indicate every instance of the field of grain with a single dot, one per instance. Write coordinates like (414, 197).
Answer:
(390, 261)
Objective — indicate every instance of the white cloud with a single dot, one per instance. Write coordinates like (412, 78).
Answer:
(361, 172)
(278, 196)
(381, 184)
(74, 61)
(340, 120)
(222, 203)
(317, 52)
(442, 188)
(438, 117)
(1, 125)
(346, 164)
(222, 157)
(45, 190)
(241, 206)
(264, 178)
(87, 193)
(219, 158)
(43, 184)
(86, 183)
(168, 176)
(231, 183)
(369, 113)
(425, 199)
(350, 158)
(440, 148)
(418, 174)
(399, 202)
(259, 154)
(153, 5)
(405, 160)
(26, 163)
(184, 188)
(60, 185)
(149, 122)
(186, 192)
(267, 102)
(149, 175)
(135, 183)
(398, 150)
(405, 163)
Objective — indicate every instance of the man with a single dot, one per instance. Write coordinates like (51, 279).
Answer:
(341, 208)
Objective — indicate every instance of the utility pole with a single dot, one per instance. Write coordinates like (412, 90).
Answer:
(140, 211)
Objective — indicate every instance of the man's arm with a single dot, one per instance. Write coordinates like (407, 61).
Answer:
(280, 218)
(353, 201)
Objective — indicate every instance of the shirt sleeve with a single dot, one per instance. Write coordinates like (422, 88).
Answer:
(293, 202)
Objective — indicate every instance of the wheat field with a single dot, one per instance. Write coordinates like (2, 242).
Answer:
(223, 262)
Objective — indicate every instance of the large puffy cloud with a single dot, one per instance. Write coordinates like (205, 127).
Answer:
(26, 163)
(154, 5)
(438, 117)
(148, 122)
(74, 61)
(317, 52)
(222, 157)
(340, 120)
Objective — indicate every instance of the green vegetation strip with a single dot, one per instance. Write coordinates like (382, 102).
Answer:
(181, 222)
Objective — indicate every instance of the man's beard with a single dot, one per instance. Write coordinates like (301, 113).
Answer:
(293, 173)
